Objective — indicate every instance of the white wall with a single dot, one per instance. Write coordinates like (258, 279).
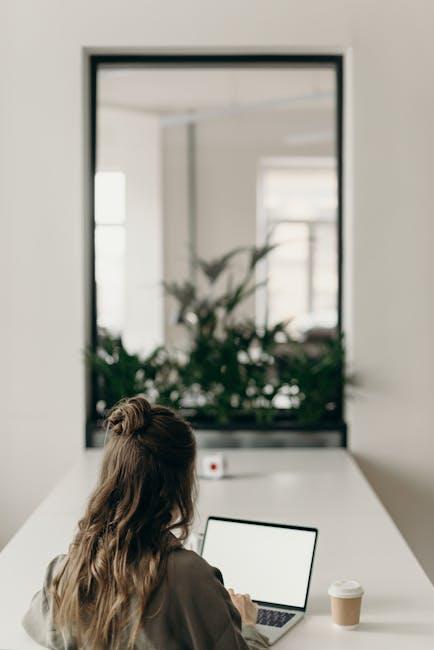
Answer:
(228, 153)
(131, 142)
(43, 230)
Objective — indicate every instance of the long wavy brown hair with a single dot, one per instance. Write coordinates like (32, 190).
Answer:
(146, 490)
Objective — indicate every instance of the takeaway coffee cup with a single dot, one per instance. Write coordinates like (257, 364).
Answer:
(346, 600)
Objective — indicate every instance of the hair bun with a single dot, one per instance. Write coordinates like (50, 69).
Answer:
(130, 416)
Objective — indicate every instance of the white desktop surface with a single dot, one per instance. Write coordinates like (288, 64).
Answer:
(322, 488)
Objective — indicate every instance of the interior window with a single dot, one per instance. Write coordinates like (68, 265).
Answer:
(110, 249)
(298, 204)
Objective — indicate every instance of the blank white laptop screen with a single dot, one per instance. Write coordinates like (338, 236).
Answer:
(270, 563)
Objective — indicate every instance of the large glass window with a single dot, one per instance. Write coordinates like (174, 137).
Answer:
(216, 184)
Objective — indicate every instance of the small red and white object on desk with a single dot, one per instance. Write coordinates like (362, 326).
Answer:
(213, 466)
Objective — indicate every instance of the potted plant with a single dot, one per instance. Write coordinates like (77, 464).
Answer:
(234, 375)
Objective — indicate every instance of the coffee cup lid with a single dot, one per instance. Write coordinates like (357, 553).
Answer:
(345, 589)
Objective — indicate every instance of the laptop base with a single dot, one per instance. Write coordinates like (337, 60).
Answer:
(272, 633)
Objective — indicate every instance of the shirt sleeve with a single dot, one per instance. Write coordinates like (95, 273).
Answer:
(38, 620)
(251, 638)
(254, 639)
(210, 620)
(241, 637)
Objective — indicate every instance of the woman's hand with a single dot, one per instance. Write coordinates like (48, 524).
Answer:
(247, 609)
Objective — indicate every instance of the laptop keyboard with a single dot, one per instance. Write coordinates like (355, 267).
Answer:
(273, 617)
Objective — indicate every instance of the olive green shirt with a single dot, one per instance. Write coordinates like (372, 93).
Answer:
(190, 610)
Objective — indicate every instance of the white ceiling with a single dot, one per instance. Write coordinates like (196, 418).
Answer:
(173, 90)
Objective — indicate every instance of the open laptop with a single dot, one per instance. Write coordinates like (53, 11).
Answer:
(271, 562)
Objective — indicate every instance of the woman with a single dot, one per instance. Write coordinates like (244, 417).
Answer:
(126, 581)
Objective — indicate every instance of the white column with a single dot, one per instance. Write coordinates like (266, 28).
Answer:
(131, 142)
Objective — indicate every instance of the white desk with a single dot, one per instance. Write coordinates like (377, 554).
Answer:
(321, 488)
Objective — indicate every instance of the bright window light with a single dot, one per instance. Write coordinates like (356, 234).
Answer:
(297, 210)
(109, 198)
(110, 249)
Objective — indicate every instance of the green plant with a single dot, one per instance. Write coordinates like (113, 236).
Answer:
(232, 369)
(117, 373)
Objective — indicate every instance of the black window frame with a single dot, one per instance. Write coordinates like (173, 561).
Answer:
(204, 60)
